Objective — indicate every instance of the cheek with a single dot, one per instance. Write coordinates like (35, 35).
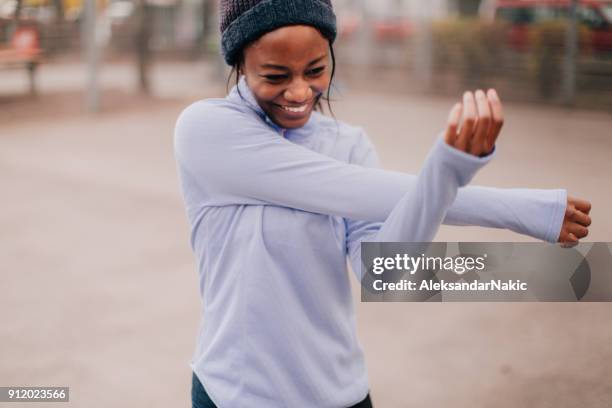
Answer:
(321, 84)
(267, 93)
(262, 90)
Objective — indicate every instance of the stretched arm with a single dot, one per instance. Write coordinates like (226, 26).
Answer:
(238, 159)
(437, 184)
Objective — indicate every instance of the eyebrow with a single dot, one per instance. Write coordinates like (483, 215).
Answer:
(283, 68)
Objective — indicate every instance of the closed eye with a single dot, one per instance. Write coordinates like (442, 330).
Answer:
(275, 78)
(316, 71)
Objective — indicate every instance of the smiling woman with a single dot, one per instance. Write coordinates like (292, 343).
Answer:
(279, 196)
(288, 78)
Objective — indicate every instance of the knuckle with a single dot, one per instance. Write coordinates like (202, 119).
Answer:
(470, 120)
(486, 146)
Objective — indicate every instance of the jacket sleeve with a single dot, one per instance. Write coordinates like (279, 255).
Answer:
(537, 213)
(238, 161)
(234, 160)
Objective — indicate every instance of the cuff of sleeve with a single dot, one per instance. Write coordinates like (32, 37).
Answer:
(463, 165)
(558, 216)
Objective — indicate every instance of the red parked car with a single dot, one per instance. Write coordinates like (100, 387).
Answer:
(393, 29)
(594, 14)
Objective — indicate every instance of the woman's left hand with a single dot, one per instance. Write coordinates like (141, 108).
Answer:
(576, 221)
(483, 119)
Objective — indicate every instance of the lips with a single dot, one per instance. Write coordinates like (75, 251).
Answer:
(296, 109)
(293, 113)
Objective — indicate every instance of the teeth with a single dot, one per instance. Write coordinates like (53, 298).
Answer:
(298, 109)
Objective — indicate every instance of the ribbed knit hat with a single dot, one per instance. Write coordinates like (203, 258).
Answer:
(244, 21)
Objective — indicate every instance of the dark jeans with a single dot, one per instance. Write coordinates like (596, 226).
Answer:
(200, 399)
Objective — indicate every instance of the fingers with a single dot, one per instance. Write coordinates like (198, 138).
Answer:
(469, 120)
(577, 230)
(479, 139)
(497, 114)
(453, 124)
(580, 204)
(582, 218)
(579, 217)
(576, 222)
(567, 237)
(568, 240)
(483, 119)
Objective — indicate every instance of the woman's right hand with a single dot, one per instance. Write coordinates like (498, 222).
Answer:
(483, 120)
(576, 221)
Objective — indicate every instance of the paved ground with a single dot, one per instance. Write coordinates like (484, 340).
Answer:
(99, 289)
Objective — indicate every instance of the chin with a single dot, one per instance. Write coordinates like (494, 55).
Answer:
(293, 124)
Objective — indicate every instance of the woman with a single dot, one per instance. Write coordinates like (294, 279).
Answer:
(278, 196)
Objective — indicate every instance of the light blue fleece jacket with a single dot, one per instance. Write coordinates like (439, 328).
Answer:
(274, 216)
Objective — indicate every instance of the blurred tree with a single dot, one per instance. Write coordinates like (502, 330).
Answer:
(207, 29)
(18, 7)
(467, 7)
(12, 27)
(571, 49)
(59, 11)
(143, 52)
(554, 54)
(208, 9)
(92, 55)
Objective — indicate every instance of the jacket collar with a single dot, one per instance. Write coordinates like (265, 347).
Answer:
(241, 93)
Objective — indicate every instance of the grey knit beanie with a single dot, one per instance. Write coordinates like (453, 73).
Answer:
(244, 21)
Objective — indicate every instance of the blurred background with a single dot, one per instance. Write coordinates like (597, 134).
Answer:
(98, 286)
(544, 51)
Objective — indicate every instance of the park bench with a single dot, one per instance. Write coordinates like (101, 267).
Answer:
(23, 52)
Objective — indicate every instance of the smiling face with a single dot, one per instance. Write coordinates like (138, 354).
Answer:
(288, 70)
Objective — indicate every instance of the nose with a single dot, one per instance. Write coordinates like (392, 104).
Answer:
(299, 91)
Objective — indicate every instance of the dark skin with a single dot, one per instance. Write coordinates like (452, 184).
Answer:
(289, 69)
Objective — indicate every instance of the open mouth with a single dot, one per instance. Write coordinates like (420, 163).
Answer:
(296, 109)
(295, 112)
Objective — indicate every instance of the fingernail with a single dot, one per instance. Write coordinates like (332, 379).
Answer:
(455, 113)
(493, 94)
